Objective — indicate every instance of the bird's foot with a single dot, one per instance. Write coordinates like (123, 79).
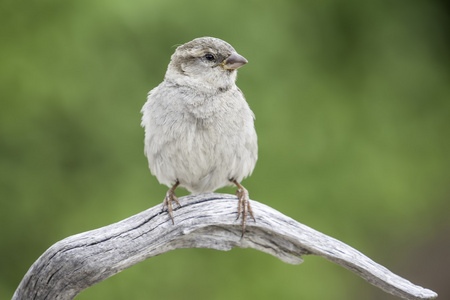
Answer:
(244, 207)
(171, 197)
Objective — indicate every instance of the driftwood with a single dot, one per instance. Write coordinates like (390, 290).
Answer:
(204, 221)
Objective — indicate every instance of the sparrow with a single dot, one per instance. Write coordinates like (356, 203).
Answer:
(199, 129)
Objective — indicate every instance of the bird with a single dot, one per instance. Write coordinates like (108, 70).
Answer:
(199, 128)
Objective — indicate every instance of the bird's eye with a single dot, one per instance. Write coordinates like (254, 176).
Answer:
(209, 56)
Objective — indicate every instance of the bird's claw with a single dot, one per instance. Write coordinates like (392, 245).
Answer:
(244, 207)
(171, 197)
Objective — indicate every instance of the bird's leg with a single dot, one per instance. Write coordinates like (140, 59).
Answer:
(243, 204)
(170, 196)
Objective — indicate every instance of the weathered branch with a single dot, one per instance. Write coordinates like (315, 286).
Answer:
(203, 221)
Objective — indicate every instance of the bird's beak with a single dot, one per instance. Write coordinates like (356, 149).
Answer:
(234, 61)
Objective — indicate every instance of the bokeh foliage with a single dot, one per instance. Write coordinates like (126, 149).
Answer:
(352, 100)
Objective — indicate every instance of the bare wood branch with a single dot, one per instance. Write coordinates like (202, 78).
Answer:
(204, 221)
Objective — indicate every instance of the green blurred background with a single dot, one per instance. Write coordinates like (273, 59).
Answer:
(352, 104)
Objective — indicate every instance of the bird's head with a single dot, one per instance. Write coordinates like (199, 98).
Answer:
(205, 63)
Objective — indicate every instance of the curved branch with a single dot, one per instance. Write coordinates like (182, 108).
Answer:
(204, 221)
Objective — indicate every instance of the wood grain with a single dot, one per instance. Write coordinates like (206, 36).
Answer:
(204, 221)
